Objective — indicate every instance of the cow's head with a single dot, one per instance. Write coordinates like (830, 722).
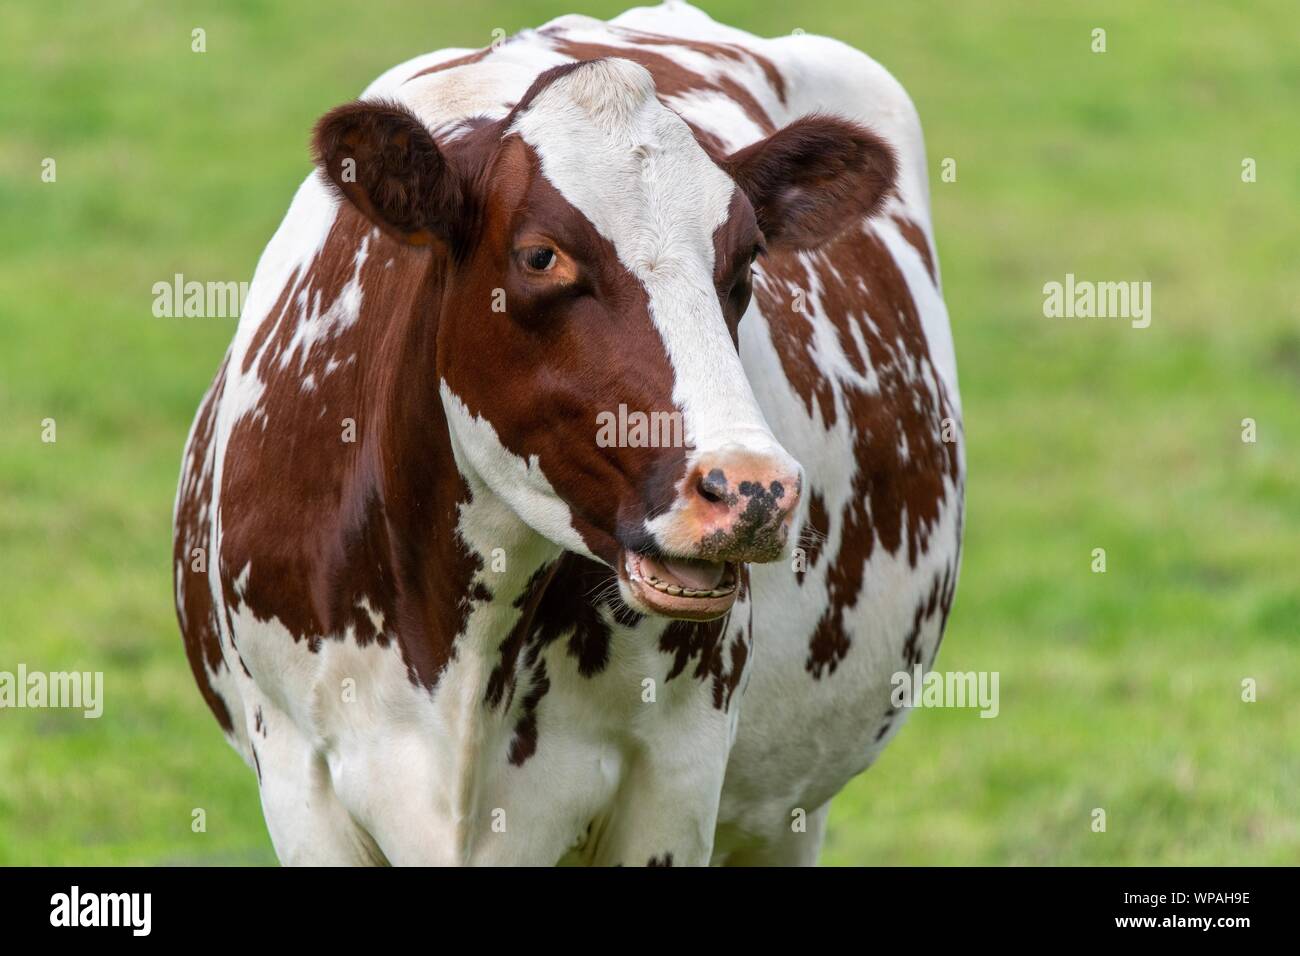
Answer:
(594, 262)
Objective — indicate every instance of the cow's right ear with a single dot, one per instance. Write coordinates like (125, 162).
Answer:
(381, 158)
(814, 178)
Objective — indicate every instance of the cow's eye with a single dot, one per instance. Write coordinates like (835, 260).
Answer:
(539, 259)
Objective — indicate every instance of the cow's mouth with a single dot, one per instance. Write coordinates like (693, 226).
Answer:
(680, 587)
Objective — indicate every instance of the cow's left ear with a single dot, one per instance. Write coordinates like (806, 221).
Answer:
(383, 160)
(814, 178)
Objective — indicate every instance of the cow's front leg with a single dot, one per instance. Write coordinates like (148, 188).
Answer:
(307, 823)
(667, 805)
(790, 845)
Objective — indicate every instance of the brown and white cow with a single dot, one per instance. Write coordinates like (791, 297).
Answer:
(442, 619)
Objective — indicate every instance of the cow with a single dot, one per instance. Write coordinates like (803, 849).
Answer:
(445, 612)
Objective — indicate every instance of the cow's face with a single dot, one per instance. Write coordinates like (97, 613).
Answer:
(594, 262)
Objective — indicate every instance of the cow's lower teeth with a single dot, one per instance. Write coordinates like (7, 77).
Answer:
(676, 591)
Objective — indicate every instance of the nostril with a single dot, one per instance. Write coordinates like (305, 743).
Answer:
(713, 486)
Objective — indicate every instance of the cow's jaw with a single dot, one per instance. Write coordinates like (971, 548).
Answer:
(519, 483)
(681, 588)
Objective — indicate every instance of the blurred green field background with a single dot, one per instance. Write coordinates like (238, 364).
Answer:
(1119, 690)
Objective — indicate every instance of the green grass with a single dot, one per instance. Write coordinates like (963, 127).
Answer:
(1119, 690)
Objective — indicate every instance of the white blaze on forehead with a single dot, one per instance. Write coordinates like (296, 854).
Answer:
(635, 170)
